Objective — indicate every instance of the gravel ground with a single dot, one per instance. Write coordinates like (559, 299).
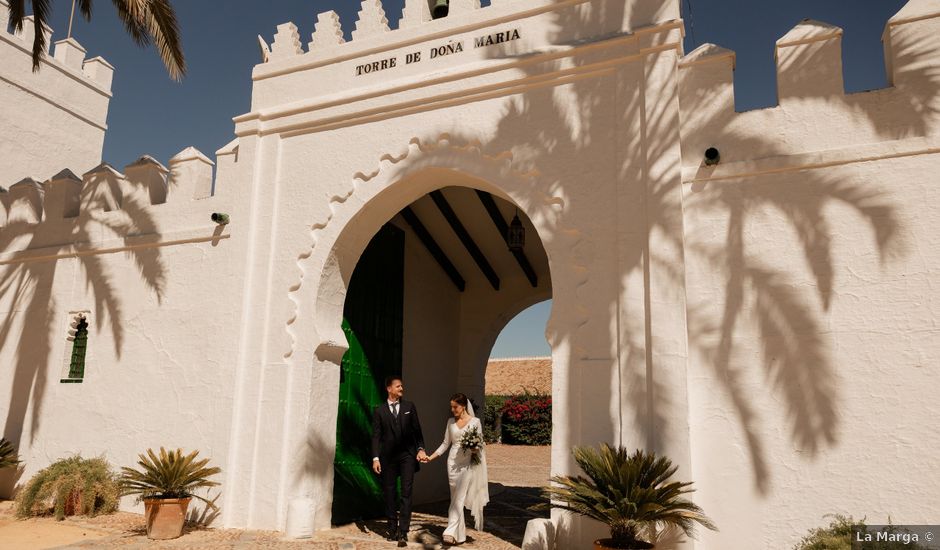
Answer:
(516, 473)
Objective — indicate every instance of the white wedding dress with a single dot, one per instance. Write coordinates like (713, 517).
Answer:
(468, 484)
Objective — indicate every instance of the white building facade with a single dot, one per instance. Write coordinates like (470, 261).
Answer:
(764, 317)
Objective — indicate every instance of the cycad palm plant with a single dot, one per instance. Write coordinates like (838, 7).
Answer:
(168, 475)
(631, 493)
(8, 456)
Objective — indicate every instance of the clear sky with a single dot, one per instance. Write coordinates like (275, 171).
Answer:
(152, 115)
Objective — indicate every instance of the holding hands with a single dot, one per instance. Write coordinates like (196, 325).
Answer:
(424, 458)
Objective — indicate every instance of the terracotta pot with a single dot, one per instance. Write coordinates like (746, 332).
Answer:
(609, 544)
(165, 517)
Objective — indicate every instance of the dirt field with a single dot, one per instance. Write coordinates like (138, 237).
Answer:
(516, 474)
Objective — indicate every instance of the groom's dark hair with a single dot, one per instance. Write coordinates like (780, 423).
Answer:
(389, 380)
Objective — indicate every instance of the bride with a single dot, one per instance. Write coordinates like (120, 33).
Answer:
(468, 482)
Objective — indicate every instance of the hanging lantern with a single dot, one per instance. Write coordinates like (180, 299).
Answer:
(516, 236)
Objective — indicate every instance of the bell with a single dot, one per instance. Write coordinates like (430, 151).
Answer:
(441, 8)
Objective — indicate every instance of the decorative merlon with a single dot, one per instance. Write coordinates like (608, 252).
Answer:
(99, 70)
(915, 10)
(190, 153)
(707, 53)
(70, 53)
(4, 15)
(26, 201)
(327, 32)
(63, 196)
(147, 161)
(809, 30)
(193, 169)
(415, 13)
(371, 21)
(286, 42)
(147, 181)
(458, 7)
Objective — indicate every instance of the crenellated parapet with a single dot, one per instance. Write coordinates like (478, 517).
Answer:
(105, 203)
(814, 113)
(67, 54)
(426, 53)
(53, 117)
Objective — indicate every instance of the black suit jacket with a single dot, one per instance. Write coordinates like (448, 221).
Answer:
(393, 437)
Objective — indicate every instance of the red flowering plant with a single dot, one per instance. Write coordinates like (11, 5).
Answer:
(527, 419)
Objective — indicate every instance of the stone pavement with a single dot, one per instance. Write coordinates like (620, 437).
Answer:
(516, 473)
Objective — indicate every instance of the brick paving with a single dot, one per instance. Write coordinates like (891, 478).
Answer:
(516, 473)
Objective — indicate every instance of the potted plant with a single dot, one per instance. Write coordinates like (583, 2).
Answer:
(166, 483)
(631, 493)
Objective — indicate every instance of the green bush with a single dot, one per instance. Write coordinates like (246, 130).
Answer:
(838, 536)
(72, 485)
(527, 420)
(8, 456)
(492, 418)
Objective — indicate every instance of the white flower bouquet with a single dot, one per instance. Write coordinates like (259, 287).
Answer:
(472, 442)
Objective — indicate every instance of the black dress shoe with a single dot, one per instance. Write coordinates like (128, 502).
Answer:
(392, 533)
(402, 542)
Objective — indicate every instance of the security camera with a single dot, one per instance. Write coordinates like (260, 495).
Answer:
(220, 218)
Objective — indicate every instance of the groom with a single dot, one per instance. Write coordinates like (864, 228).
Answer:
(397, 447)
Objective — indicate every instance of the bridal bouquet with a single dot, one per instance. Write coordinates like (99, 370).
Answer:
(472, 441)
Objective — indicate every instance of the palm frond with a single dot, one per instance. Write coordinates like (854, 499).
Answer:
(154, 21)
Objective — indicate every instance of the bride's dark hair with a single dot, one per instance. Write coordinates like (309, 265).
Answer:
(460, 399)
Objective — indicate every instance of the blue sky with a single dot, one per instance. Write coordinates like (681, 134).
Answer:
(152, 115)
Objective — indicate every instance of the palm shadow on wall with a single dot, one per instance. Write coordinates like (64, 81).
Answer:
(27, 287)
(788, 323)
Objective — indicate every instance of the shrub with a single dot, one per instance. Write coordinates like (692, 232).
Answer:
(8, 456)
(492, 418)
(838, 536)
(70, 486)
(527, 420)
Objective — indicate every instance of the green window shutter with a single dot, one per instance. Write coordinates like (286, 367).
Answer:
(79, 347)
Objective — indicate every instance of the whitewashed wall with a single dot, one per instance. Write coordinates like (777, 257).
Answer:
(812, 262)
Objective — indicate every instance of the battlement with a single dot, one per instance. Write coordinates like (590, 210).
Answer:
(811, 94)
(67, 54)
(378, 54)
(146, 198)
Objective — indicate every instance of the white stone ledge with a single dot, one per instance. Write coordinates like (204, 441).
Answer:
(810, 161)
(110, 246)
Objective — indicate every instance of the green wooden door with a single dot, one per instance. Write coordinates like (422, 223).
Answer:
(373, 326)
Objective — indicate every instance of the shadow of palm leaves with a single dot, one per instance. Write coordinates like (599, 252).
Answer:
(27, 286)
(796, 353)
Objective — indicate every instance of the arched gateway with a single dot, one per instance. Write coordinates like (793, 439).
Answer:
(754, 313)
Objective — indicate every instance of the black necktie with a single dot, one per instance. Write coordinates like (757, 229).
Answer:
(395, 409)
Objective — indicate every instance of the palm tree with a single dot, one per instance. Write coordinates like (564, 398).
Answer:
(631, 493)
(147, 21)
